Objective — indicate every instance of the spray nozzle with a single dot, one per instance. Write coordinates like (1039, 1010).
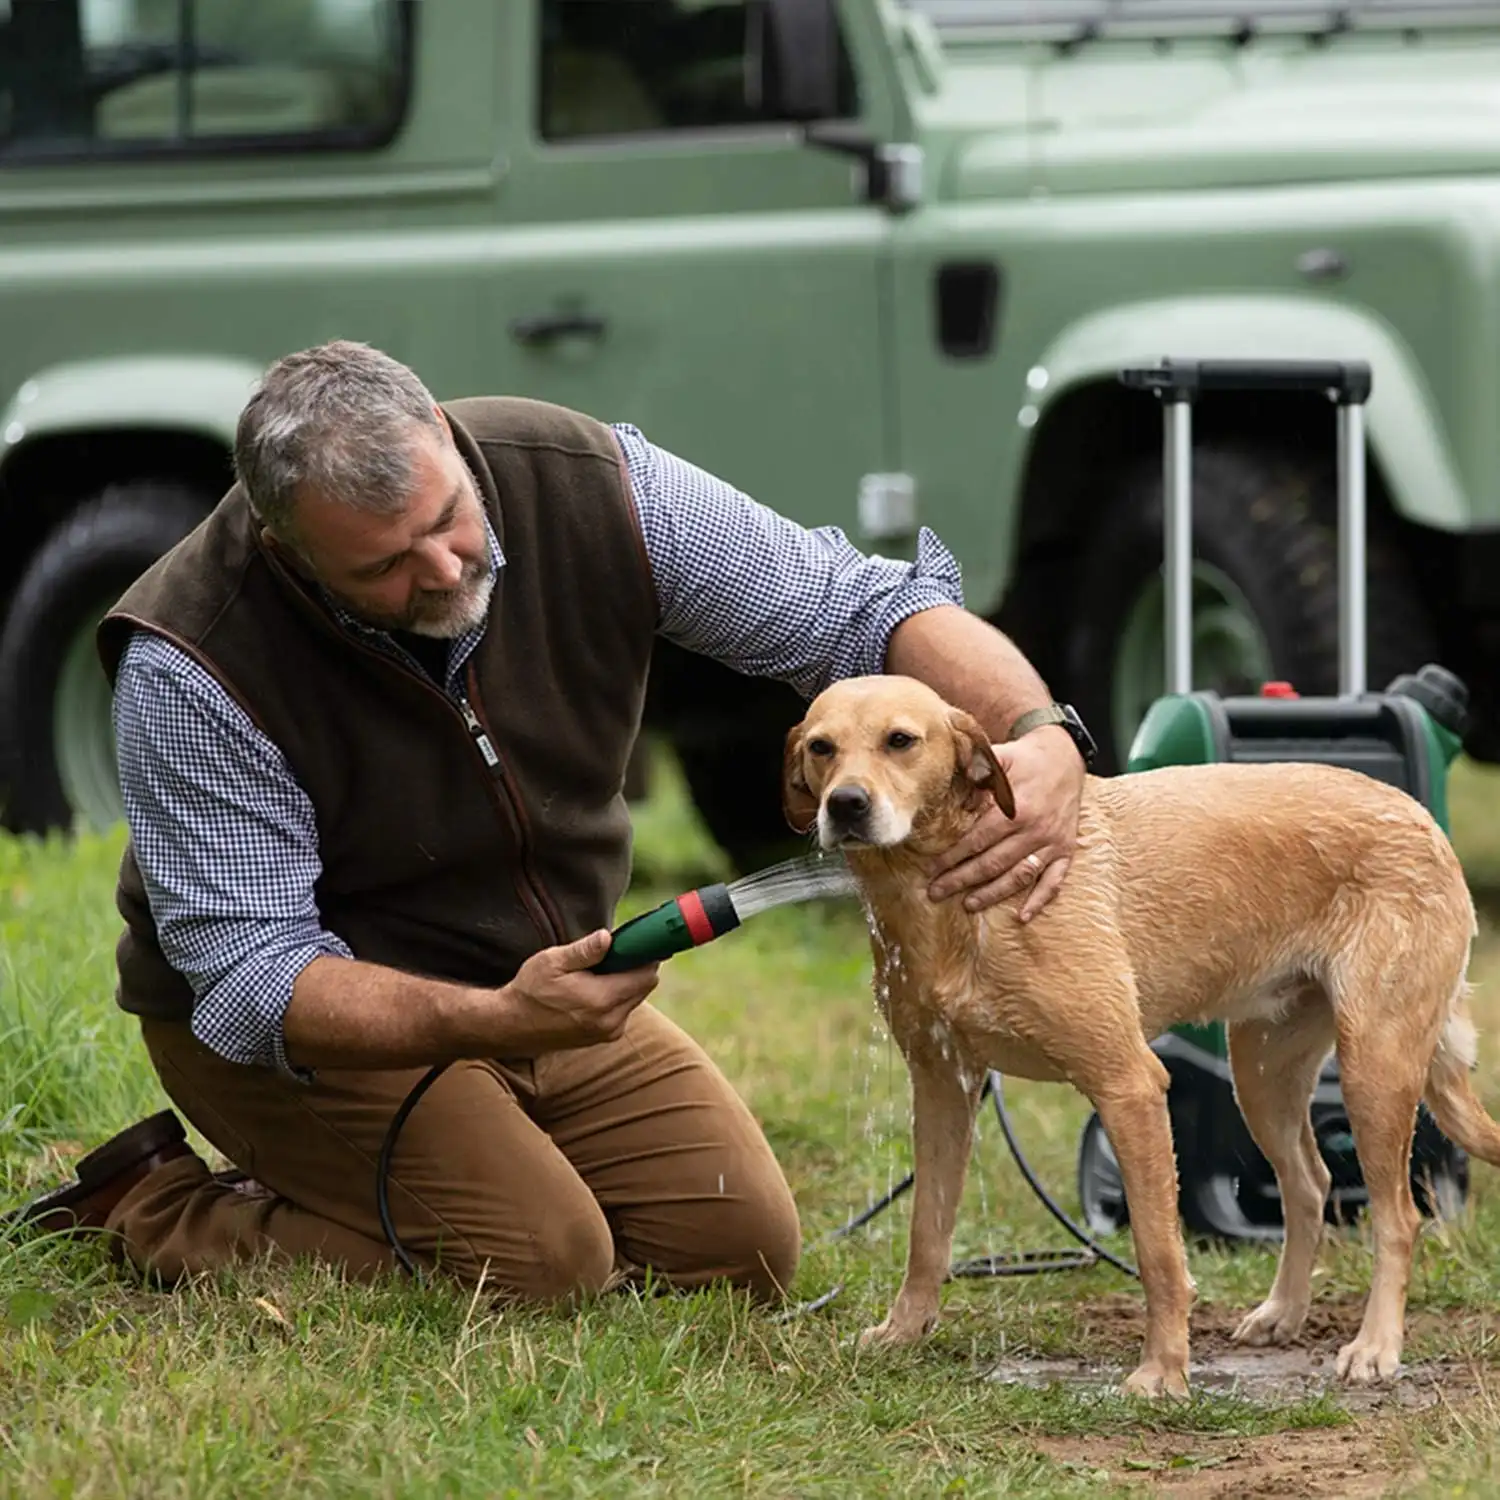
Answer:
(686, 921)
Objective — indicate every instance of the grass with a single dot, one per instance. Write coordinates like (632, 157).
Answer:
(262, 1381)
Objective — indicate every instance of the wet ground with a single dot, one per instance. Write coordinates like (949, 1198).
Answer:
(1364, 1457)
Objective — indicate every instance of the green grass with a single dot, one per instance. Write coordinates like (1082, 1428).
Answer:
(273, 1381)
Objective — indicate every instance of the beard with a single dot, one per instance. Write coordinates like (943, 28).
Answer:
(448, 613)
(439, 614)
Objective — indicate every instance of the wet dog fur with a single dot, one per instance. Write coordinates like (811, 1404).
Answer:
(1308, 907)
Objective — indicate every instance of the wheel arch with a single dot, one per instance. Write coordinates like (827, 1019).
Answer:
(70, 431)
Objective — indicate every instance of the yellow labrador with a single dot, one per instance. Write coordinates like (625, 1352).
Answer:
(1308, 907)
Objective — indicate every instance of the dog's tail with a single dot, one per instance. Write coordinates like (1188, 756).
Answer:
(1449, 1096)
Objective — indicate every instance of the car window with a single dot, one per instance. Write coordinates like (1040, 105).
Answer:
(87, 77)
(611, 68)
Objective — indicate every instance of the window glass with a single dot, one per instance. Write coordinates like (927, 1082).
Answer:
(78, 76)
(612, 68)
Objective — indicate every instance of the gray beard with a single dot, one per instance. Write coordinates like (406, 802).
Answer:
(461, 610)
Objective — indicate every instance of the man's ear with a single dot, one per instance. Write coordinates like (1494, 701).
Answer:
(798, 805)
(975, 761)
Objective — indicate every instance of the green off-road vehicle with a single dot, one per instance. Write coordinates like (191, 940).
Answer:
(878, 262)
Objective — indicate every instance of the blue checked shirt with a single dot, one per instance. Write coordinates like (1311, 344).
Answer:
(227, 840)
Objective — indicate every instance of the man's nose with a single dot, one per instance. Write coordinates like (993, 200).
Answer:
(442, 568)
(848, 804)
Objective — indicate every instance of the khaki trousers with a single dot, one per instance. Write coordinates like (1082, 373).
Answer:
(552, 1177)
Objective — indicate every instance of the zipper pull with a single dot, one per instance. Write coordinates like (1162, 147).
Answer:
(476, 729)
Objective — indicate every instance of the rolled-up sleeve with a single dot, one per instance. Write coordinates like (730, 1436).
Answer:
(762, 594)
(227, 845)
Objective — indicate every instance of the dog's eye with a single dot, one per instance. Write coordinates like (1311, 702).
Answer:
(820, 747)
(899, 739)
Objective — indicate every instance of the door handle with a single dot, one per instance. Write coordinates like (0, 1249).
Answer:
(541, 329)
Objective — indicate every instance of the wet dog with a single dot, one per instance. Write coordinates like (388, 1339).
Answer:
(1308, 907)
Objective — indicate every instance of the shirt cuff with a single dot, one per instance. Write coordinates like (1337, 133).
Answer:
(242, 1016)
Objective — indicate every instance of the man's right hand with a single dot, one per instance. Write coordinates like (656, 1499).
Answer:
(554, 1002)
(349, 1014)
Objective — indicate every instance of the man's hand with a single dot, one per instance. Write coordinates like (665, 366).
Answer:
(1000, 856)
(554, 1002)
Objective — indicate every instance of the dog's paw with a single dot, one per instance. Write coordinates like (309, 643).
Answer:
(1271, 1323)
(896, 1331)
(1363, 1362)
(1154, 1380)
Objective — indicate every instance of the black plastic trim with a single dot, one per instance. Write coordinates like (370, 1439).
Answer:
(1180, 379)
(966, 307)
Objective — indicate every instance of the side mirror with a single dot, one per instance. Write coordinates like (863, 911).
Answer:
(801, 60)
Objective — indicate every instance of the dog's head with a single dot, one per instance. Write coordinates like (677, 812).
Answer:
(877, 760)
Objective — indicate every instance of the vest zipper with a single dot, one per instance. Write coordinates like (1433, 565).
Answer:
(476, 729)
(541, 911)
(527, 884)
(494, 758)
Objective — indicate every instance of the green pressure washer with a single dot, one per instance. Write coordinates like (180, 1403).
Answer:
(1407, 735)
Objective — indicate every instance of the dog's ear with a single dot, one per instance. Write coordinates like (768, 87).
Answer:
(975, 760)
(798, 805)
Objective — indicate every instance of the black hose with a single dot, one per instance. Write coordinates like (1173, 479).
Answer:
(383, 1166)
(1018, 1263)
(995, 1084)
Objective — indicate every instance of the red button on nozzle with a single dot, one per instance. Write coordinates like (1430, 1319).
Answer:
(1278, 690)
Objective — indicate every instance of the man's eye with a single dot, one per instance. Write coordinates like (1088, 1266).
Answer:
(899, 739)
(820, 747)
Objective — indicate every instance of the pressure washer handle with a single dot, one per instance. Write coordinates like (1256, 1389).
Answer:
(1177, 383)
(1348, 381)
(686, 921)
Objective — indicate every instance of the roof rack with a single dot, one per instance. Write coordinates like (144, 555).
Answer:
(1073, 22)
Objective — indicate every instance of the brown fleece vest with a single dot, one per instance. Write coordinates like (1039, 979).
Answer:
(435, 861)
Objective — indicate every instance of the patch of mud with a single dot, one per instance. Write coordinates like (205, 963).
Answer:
(1112, 1328)
(1270, 1377)
(1363, 1458)
(1340, 1461)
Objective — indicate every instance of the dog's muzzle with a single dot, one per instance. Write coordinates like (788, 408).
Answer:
(848, 810)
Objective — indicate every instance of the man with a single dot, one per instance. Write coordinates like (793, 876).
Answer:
(373, 720)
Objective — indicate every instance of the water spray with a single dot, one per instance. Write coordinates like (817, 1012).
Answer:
(699, 916)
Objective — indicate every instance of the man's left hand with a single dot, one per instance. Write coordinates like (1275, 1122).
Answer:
(999, 857)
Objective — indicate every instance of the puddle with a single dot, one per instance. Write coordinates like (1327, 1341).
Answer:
(1271, 1376)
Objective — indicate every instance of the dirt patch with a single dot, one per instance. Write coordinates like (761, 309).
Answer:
(1362, 1458)
(1111, 1329)
(1341, 1461)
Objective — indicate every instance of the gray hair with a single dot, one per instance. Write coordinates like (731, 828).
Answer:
(337, 420)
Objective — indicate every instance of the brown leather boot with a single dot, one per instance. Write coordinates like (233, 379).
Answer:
(104, 1176)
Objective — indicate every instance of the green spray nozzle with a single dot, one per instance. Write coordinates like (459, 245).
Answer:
(686, 921)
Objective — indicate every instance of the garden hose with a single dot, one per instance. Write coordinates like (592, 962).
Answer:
(686, 921)
(697, 917)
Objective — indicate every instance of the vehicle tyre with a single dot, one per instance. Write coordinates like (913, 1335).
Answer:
(1101, 1186)
(57, 763)
(1265, 592)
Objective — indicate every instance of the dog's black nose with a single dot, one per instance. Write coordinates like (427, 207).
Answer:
(848, 804)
